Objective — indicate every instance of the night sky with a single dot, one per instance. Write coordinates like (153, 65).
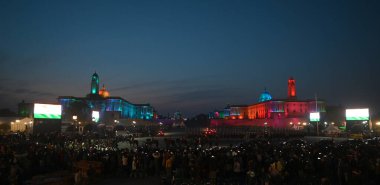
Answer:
(191, 56)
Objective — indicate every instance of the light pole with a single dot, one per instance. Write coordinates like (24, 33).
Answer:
(317, 128)
(80, 130)
(316, 110)
(26, 127)
(75, 118)
(30, 127)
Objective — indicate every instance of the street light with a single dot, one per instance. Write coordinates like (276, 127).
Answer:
(378, 123)
(75, 118)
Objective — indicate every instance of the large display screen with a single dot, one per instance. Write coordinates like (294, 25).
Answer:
(47, 111)
(357, 114)
(315, 116)
(95, 116)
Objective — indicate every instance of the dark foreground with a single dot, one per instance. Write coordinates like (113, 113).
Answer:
(91, 159)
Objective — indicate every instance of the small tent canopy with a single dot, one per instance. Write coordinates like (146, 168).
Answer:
(331, 129)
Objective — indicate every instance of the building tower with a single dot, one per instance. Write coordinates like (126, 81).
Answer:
(292, 88)
(95, 84)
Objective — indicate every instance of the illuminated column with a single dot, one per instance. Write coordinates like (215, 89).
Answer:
(291, 88)
(95, 84)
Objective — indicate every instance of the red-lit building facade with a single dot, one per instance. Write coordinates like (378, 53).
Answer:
(270, 112)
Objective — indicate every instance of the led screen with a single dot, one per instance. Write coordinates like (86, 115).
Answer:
(95, 116)
(314, 116)
(357, 114)
(47, 111)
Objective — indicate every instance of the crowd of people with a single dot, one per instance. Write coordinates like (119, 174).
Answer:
(192, 160)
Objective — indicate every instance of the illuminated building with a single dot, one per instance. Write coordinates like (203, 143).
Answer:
(95, 84)
(274, 112)
(265, 96)
(109, 107)
(292, 88)
(103, 92)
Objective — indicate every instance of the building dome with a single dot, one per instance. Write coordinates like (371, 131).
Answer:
(265, 96)
(103, 92)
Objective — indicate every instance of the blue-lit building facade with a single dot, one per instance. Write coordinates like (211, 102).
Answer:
(109, 107)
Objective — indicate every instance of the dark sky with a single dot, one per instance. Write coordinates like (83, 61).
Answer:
(191, 56)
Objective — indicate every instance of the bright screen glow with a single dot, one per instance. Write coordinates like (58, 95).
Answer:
(315, 116)
(357, 114)
(95, 116)
(47, 111)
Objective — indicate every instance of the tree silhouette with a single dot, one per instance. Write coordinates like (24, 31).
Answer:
(201, 120)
